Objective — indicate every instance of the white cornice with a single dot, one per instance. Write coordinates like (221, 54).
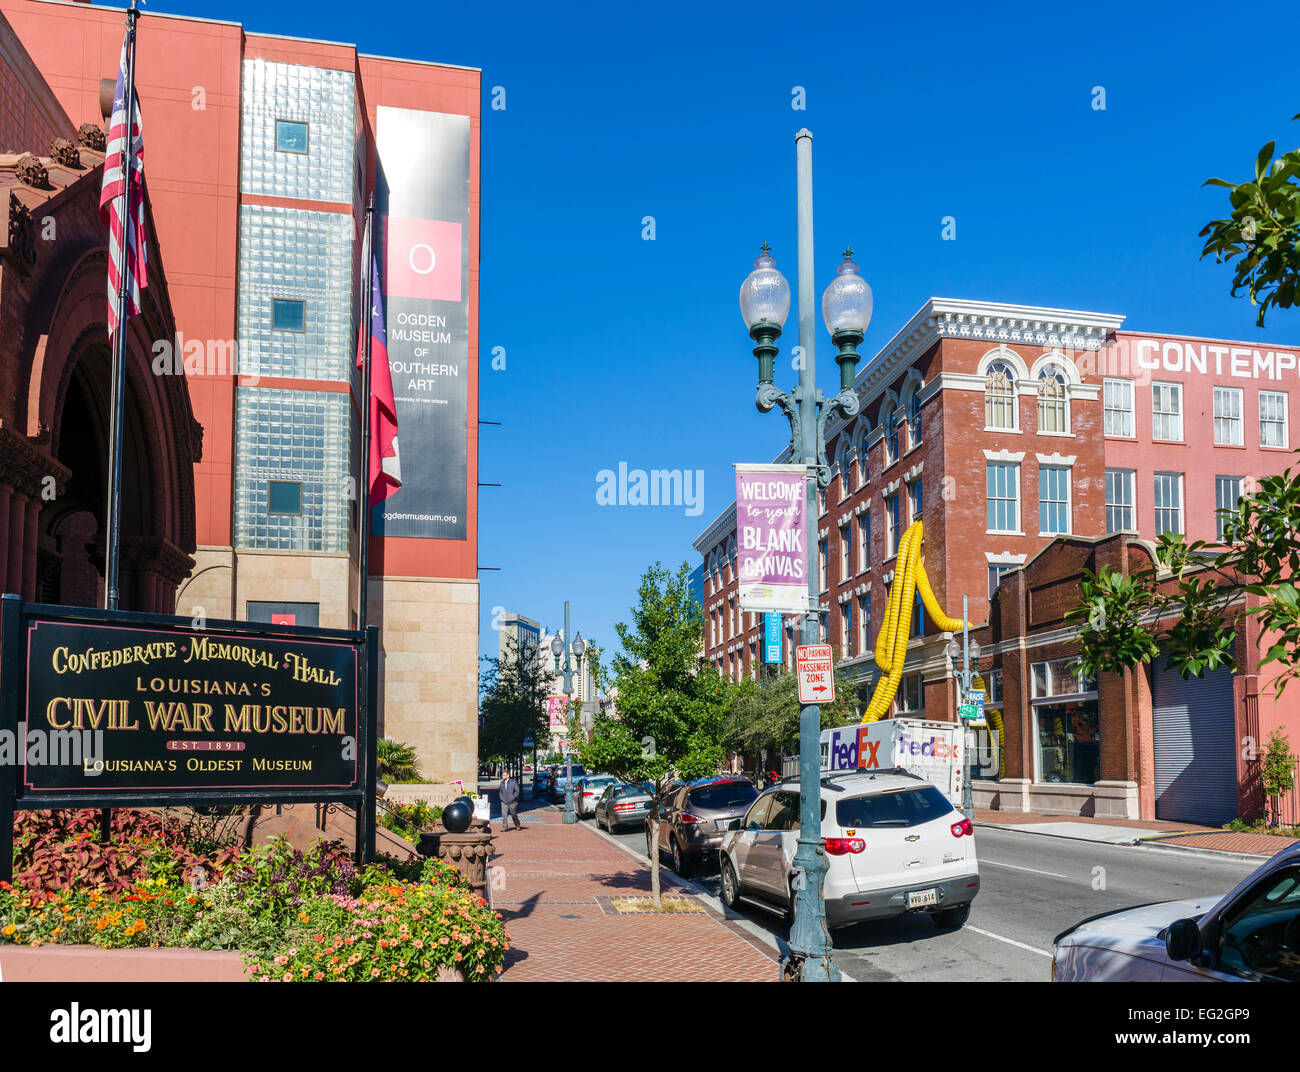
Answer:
(722, 527)
(1054, 459)
(1004, 455)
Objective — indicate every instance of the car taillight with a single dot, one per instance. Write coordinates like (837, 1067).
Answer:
(690, 817)
(838, 846)
(963, 828)
(624, 807)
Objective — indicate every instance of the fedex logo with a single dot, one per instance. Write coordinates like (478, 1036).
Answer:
(850, 750)
(934, 747)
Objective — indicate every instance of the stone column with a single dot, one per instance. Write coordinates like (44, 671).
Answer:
(29, 548)
(5, 492)
(17, 527)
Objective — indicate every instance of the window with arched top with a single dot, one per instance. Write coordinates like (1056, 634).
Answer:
(864, 463)
(1053, 400)
(1000, 396)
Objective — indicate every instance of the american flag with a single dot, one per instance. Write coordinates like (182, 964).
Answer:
(126, 245)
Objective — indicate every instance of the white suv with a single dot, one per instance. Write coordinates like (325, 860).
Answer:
(894, 843)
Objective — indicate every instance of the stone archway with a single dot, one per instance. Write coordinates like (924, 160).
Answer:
(54, 430)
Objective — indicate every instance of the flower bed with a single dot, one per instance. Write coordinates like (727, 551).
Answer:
(294, 915)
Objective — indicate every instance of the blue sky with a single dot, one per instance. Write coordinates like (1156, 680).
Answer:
(620, 349)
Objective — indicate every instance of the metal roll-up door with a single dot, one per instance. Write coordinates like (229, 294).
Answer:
(1195, 747)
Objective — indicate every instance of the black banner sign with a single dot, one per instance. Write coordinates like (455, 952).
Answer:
(118, 709)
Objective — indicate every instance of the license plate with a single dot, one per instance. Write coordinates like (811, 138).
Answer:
(917, 898)
(722, 824)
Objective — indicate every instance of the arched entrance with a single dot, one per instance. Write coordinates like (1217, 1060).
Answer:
(54, 479)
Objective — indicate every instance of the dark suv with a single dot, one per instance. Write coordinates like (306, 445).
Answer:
(693, 818)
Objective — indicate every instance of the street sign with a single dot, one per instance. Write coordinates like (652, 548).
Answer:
(815, 665)
(771, 637)
(972, 710)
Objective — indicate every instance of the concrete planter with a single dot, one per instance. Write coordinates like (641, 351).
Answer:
(90, 964)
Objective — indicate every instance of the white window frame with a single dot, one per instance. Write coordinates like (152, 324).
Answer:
(823, 554)
(1122, 414)
(1284, 422)
(1228, 422)
(1130, 476)
(1182, 502)
(1219, 506)
(902, 698)
(846, 625)
(864, 541)
(1015, 466)
(893, 522)
(1053, 373)
(1010, 401)
(1157, 415)
(846, 551)
(998, 570)
(1068, 500)
(864, 622)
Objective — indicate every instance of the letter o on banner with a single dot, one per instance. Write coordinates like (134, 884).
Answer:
(433, 259)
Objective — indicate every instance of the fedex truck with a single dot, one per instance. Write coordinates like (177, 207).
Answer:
(935, 751)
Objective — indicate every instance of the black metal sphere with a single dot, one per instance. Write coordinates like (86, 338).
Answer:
(456, 816)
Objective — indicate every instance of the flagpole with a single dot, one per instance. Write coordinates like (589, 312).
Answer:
(367, 327)
(113, 549)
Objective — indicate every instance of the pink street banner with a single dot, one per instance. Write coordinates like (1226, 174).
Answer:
(771, 537)
(557, 711)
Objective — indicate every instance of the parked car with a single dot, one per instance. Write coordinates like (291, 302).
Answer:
(622, 804)
(694, 818)
(1250, 935)
(541, 782)
(560, 779)
(894, 845)
(587, 792)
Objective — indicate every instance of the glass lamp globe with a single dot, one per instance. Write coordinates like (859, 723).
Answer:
(974, 652)
(846, 304)
(579, 646)
(954, 651)
(557, 646)
(765, 294)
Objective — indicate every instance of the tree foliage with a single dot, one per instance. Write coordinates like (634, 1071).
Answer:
(1262, 233)
(513, 690)
(765, 714)
(1190, 601)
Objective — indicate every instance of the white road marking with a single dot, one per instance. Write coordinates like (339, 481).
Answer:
(1009, 941)
(1014, 867)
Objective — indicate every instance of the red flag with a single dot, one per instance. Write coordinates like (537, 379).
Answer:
(385, 469)
(126, 246)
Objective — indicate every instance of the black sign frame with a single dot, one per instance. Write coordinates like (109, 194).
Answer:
(15, 618)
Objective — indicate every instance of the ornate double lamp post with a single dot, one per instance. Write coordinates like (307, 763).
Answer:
(558, 648)
(846, 309)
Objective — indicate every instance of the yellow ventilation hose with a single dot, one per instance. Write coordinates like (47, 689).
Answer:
(896, 629)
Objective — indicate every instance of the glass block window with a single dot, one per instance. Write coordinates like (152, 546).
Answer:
(1227, 493)
(1272, 419)
(1053, 401)
(1120, 507)
(295, 305)
(1227, 416)
(1053, 499)
(1169, 503)
(297, 131)
(1119, 407)
(1167, 411)
(290, 136)
(1000, 396)
(301, 438)
(1002, 481)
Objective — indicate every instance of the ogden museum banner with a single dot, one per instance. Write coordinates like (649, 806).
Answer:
(423, 199)
(160, 709)
(771, 537)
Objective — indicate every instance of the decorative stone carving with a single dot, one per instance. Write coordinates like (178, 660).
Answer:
(21, 243)
(64, 152)
(91, 135)
(31, 172)
(468, 853)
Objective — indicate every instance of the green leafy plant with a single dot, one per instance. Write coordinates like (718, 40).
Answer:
(397, 762)
(1277, 772)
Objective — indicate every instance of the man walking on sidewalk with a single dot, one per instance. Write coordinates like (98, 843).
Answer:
(509, 794)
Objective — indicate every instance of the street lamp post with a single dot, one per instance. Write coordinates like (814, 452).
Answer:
(558, 648)
(846, 308)
(965, 668)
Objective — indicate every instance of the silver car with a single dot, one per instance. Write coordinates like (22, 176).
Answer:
(622, 804)
(588, 790)
(1252, 934)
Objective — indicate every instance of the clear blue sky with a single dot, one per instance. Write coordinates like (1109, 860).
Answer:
(619, 349)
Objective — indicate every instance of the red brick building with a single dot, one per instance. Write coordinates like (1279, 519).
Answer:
(243, 414)
(1005, 428)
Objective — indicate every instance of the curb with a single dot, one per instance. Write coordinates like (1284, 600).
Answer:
(1137, 843)
(704, 895)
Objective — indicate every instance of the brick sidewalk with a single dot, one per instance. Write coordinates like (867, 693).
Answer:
(1187, 835)
(558, 884)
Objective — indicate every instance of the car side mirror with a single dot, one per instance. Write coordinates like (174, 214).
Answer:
(1182, 939)
(735, 824)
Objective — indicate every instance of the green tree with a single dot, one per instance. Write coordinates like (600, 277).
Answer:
(513, 690)
(1190, 601)
(1262, 233)
(1277, 775)
(672, 705)
(765, 714)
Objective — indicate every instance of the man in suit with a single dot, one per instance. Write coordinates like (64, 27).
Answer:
(509, 794)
